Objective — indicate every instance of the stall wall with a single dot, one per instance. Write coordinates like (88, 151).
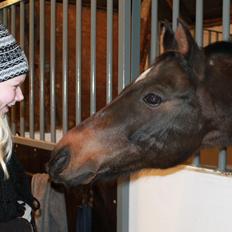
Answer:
(180, 199)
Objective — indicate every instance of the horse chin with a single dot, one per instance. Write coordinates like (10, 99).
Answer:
(89, 179)
(83, 179)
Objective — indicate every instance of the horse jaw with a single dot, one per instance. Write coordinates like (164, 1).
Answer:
(93, 155)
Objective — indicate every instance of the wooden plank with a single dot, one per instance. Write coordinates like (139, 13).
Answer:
(8, 3)
(34, 143)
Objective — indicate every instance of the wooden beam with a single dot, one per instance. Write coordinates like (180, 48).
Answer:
(34, 143)
(7, 3)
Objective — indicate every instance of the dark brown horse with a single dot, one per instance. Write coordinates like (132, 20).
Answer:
(180, 104)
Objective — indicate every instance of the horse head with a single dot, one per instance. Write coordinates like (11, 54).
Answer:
(158, 121)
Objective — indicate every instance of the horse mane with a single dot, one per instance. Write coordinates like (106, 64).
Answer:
(221, 47)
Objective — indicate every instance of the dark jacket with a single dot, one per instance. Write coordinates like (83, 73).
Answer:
(16, 188)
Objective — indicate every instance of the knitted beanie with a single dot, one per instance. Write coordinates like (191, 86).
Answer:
(13, 61)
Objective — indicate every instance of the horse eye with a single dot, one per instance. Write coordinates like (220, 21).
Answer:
(152, 99)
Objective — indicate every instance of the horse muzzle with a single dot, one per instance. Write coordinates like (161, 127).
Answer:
(60, 159)
(60, 172)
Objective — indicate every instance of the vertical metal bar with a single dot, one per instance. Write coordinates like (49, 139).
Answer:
(5, 20)
(124, 44)
(31, 62)
(154, 31)
(199, 39)
(22, 104)
(135, 39)
(175, 13)
(78, 61)
(197, 159)
(123, 204)
(209, 37)
(42, 59)
(13, 118)
(1, 15)
(222, 159)
(13, 20)
(93, 59)
(199, 22)
(226, 19)
(65, 66)
(109, 53)
(53, 71)
(123, 79)
(217, 36)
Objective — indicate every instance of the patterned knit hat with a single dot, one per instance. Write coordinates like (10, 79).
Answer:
(13, 61)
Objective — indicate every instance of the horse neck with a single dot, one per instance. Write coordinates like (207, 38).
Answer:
(215, 97)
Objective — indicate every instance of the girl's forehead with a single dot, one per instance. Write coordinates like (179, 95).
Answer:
(16, 80)
(20, 78)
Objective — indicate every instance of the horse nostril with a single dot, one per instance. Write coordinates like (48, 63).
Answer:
(59, 161)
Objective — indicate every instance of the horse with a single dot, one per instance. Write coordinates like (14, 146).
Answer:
(180, 104)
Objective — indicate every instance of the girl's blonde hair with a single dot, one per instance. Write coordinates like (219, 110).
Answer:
(5, 144)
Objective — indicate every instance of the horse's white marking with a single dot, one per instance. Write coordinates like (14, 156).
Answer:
(211, 62)
(142, 75)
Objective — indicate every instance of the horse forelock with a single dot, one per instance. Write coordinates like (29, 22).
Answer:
(165, 57)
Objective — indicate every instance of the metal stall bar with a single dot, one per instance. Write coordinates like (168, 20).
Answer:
(135, 39)
(53, 71)
(199, 40)
(13, 125)
(175, 13)
(154, 31)
(209, 36)
(124, 39)
(222, 156)
(42, 59)
(109, 53)
(93, 58)
(226, 19)
(199, 23)
(65, 66)
(222, 159)
(31, 73)
(123, 79)
(22, 104)
(217, 36)
(5, 21)
(78, 61)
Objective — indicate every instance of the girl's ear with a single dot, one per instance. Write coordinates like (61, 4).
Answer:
(169, 40)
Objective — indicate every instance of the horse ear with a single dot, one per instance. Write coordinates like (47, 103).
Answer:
(184, 39)
(169, 40)
(189, 48)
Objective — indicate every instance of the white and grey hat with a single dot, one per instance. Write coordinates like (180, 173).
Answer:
(13, 61)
